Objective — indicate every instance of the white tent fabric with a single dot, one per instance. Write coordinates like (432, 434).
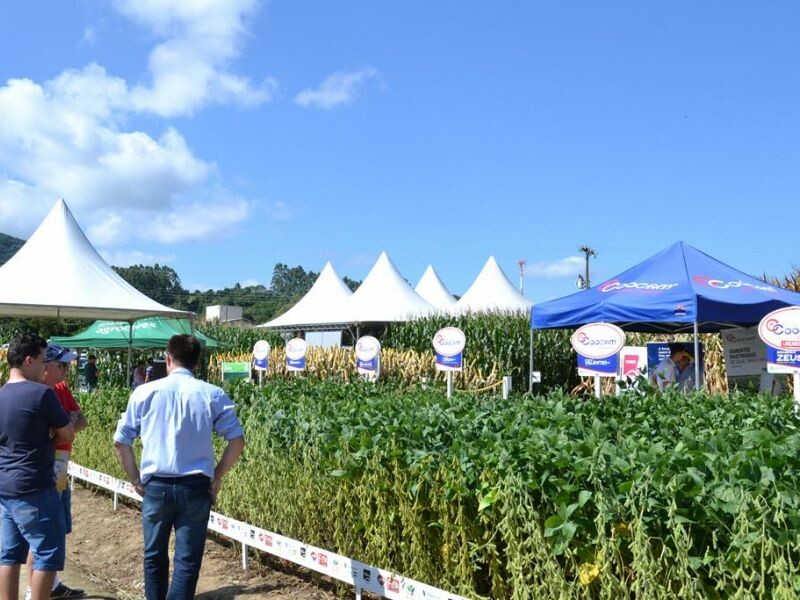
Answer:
(77, 284)
(492, 292)
(432, 290)
(384, 296)
(325, 303)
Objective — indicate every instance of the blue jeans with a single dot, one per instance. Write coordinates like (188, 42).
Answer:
(182, 503)
(33, 522)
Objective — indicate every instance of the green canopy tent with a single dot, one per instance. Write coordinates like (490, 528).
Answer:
(151, 332)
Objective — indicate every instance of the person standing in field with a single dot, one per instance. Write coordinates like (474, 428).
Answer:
(90, 372)
(57, 361)
(32, 518)
(176, 417)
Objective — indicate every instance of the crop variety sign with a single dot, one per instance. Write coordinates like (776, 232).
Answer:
(780, 331)
(296, 354)
(368, 355)
(449, 345)
(598, 346)
(261, 355)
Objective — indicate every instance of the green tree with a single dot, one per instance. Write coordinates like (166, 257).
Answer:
(161, 283)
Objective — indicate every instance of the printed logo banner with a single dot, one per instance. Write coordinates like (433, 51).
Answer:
(449, 346)
(783, 361)
(604, 367)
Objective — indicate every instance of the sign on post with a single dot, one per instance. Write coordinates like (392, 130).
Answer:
(780, 331)
(598, 346)
(296, 354)
(233, 371)
(449, 345)
(745, 358)
(261, 355)
(368, 357)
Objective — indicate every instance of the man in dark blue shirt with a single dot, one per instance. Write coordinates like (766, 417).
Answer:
(31, 422)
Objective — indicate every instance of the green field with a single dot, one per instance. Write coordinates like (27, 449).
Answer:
(646, 496)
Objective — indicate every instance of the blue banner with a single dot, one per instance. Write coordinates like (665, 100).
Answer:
(297, 364)
(367, 365)
(784, 359)
(598, 366)
(261, 363)
(656, 352)
(450, 362)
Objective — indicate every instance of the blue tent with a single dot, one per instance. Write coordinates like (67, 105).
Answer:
(680, 289)
(669, 292)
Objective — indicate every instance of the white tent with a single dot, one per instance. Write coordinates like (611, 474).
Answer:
(492, 291)
(324, 304)
(431, 289)
(384, 296)
(58, 273)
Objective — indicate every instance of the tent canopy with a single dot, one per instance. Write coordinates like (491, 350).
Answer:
(492, 292)
(150, 332)
(669, 292)
(432, 289)
(384, 296)
(323, 305)
(82, 287)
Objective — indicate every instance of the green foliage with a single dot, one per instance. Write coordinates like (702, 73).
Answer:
(501, 339)
(161, 283)
(239, 339)
(647, 495)
(9, 246)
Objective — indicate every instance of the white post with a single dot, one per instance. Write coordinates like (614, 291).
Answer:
(244, 556)
(506, 386)
(696, 358)
(72, 483)
(449, 384)
(597, 387)
(116, 500)
(260, 377)
(358, 593)
(796, 392)
(530, 366)
(130, 354)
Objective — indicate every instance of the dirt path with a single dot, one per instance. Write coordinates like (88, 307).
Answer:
(106, 548)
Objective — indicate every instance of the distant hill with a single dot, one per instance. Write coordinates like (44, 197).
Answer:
(9, 246)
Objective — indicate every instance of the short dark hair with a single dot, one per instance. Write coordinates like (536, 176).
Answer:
(91, 357)
(184, 350)
(676, 347)
(25, 344)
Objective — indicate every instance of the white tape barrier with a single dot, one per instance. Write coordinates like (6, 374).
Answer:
(360, 575)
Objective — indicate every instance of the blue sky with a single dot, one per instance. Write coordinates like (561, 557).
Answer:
(223, 136)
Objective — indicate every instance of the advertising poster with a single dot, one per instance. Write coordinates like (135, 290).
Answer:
(745, 358)
(449, 346)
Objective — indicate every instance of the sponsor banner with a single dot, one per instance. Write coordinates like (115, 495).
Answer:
(371, 579)
(598, 340)
(632, 362)
(783, 361)
(781, 328)
(261, 355)
(449, 346)
(604, 367)
(658, 351)
(745, 358)
(368, 355)
(736, 285)
(637, 287)
(296, 349)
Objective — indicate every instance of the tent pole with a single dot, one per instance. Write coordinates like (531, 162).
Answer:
(696, 357)
(130, 353)
(530, 366)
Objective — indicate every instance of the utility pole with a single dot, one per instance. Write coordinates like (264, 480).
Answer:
(588, 252)
(521, 263)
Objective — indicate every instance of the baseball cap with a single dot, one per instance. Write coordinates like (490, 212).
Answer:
(55, 352)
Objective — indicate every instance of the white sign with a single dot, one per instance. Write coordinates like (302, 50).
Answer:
(261, 355)
(780, 329)
(598, 340)
(632, 361)
(367, 348)
(449, 345)
(296, 354)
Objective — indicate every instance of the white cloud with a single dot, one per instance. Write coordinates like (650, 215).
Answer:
(565, 267)
(126, 258)
(250, 283)
(68, 137)
(188, 68)
(280, 211)
(339, 89)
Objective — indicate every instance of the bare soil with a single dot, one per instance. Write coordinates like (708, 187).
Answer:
(106, 547)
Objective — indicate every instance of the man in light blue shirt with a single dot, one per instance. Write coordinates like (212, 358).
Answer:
(176, 418)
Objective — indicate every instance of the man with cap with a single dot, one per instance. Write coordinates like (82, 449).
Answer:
(666, 373)
(32, 518)
(57, 361)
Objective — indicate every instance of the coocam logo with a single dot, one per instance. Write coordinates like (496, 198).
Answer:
(598, 340)
(449, 341)
(367, 348)
(296, 348)
(781, 328)
(642, 287)
(737, 338)
(744, 286)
